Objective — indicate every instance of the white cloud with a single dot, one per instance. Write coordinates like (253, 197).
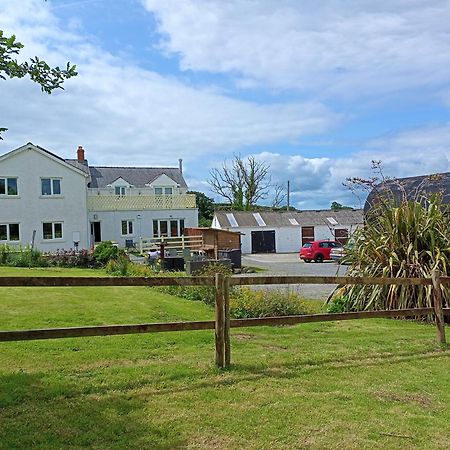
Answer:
(317, 182)
(124, 114)
(356, 47)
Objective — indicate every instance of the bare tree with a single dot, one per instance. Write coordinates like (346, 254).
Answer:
(279, 195)
(243, 183)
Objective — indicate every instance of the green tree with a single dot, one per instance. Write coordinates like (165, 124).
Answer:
(337, 206)
(205, 207)
(49, 78)
(243, 183)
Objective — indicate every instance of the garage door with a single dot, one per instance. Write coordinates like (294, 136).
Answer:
(263, 241)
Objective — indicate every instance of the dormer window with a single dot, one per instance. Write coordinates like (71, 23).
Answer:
(163, 190)
(120, 190)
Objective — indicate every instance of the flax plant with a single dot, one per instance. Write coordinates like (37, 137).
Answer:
(402, 238)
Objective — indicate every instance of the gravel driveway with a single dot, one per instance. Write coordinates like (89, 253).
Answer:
(290, 264)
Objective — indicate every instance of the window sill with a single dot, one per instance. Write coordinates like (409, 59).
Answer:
(9, 196)
(52, 196)
(56, 240)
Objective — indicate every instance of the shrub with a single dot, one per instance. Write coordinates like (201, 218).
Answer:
(5, 254)
(338, 305)
(120, 267)
(71, 258)
(27, 257)
(105, 251)
(247, 303)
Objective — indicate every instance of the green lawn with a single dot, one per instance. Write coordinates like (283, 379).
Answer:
(359, 384)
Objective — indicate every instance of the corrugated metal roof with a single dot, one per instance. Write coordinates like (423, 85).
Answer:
(344, 217)
(429, 184)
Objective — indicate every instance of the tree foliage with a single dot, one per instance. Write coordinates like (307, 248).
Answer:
(49, 78)
(243, 183)
(205, 207)
(335, 206)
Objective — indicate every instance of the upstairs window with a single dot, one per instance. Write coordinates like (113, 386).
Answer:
(52, 230)
(9, 232)
(163, 190)
(51, 186)
(8, 186)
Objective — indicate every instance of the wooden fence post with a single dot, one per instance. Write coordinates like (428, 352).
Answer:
(220, 322)
(226, 292)
(437, 304)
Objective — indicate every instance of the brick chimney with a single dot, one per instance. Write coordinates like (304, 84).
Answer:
(80, 154)
(180, 164)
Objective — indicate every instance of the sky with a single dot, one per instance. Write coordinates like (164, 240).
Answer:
(315, 89)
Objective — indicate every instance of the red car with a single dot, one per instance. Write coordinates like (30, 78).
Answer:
(318, 251)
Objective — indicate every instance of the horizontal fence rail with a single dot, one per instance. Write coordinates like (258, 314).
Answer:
(109, 330)
(222, 322)
(104, 281)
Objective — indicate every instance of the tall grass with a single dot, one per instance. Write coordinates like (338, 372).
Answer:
(401, 239)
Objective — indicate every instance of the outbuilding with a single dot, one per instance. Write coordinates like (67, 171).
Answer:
(287, 231)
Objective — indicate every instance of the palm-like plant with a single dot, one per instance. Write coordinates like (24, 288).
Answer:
(402, 238)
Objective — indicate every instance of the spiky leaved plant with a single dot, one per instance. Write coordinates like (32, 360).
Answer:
(402, 237)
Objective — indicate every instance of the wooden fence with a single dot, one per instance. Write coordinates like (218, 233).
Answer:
(223, 323)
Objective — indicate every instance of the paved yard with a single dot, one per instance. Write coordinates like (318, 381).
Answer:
(290, 264)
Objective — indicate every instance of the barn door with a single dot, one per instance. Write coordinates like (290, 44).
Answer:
(341, 235)
(307, 235)
(263, 241)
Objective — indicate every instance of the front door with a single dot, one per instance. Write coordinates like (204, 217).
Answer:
(96, 232)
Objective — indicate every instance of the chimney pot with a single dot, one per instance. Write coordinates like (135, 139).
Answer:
(80, 154)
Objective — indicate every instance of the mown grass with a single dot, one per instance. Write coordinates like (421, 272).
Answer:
(360, 384)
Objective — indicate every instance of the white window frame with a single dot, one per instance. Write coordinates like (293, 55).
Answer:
(180, 227)
(5, 180)
(164, 190)
(129, 226)
(52, 187)
(53, 238)
(8, 232)
(122, 191)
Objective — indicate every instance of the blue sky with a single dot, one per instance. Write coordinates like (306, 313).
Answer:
(317, 90)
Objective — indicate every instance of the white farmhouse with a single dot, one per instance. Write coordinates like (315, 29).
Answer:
(57, 203)
(287, 231)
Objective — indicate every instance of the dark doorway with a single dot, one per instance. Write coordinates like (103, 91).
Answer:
(96, 232)
(263, 241)
(307, 235)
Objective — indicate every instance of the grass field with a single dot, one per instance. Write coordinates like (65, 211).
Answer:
(359, 384)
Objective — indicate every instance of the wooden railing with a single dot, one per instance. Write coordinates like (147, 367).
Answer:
(223, 323)
(176, 242)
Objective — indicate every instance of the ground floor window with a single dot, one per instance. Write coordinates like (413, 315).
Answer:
(52, 230)
(168, 227)
(9, 232)
(127, 227)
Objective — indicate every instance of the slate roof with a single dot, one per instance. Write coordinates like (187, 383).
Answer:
(429, 184)
(344, 217)
(137, 176)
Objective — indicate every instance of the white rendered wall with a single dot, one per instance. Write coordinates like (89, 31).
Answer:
(287, 239)
(111, 222)
(30, 209)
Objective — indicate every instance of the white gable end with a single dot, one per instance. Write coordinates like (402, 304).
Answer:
(120, 182)
(163, 180)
